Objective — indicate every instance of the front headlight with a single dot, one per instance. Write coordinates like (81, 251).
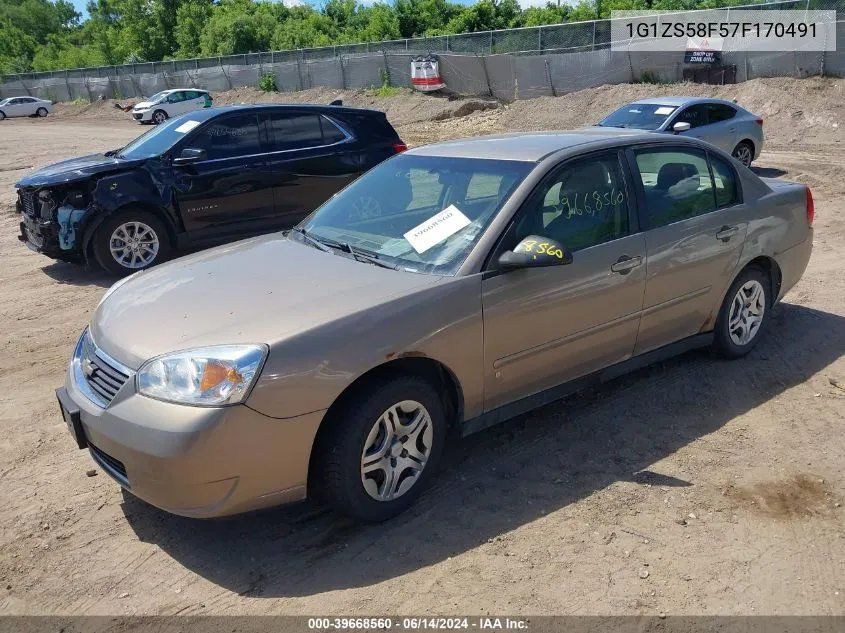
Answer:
(206, 376)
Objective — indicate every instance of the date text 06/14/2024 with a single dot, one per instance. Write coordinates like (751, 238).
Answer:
(417, 623)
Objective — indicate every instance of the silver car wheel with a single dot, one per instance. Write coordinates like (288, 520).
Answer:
(42, 112)
(743, 154)
(746, 315)
(397, 450)
(134, 245)
(159, 117)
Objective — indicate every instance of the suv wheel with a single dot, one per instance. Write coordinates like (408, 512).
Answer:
(131, 241)
(159, 117)
(379, 452)
(744, 314)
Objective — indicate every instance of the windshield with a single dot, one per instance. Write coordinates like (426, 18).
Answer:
(157, 96)
(418, 213)
(640, 116)
(159, 139)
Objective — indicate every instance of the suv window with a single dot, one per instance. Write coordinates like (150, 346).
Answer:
(229, 136)
(583, 204)
(295, 131)
(331, 133)
(677, 184)
(724, 180)
(719, 112)
(695, 115)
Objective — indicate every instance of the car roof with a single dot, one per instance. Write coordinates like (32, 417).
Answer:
(208, 113)
(530, 146)
(680, 101)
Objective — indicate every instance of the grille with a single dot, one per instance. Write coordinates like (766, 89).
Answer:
(28, 202)
(111, 465)
(104, 379)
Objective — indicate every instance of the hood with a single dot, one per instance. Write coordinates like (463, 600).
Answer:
(261, 290)
(75, 169)
(143, 105)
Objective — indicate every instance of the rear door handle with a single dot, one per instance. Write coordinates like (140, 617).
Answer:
(626, 264)
(727, 232)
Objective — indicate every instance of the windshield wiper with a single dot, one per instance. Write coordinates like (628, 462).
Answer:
(311, 240)
(367, 257)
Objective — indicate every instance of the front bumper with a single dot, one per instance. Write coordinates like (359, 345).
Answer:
(43, 237)
(194, 461)
(145, 115)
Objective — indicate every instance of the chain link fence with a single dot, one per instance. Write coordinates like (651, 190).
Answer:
(551, 60)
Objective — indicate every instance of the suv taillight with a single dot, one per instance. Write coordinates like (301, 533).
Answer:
(811, 208)
(398, 148)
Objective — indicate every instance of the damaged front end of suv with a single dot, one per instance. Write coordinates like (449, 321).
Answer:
(53, 219)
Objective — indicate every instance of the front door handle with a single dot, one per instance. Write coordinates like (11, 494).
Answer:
(626, 264)
(727, 232)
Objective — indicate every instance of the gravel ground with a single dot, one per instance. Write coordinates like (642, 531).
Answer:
(696, 486)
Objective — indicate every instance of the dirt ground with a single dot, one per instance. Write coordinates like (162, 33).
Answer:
(696, 486)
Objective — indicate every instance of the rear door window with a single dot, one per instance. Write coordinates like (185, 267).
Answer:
(718, 112)
(677, 184)
(291, 131)
(724, 182)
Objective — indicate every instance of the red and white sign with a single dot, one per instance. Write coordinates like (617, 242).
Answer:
(425, 74)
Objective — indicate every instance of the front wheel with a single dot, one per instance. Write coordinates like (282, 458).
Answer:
(131, 241)
(744, 153)
(744, 314)
(42, 112)
(159, 117)
(378, 452)
(2, 115)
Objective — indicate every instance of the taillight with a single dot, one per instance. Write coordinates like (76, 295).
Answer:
(398, 148)
(811, 208)
(759, 122)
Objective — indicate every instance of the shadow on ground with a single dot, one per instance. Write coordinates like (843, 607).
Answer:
(769, 172)
(507, 476)
(78, 275)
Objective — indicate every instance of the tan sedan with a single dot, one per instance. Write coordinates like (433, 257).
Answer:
(456, 285)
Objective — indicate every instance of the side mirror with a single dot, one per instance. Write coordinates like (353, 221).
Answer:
(189, 155)
(681, 126)
(535, 251)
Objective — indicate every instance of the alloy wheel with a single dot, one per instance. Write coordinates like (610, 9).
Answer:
(159, 118)
(134, 245)
(747, 310)
(743, 154)
(396, 450)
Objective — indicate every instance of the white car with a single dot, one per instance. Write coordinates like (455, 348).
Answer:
(169, 103)
(24, 106)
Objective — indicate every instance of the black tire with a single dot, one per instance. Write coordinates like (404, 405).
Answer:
(2, 115)
(101, 241)
(42, 112)
(744, 153)
(159, 117)
(723, 341)
(337, 463)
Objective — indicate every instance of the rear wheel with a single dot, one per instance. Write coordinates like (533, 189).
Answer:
(744, 314)
(130, 241)
(159, 117)
(378, 453)
(2, 115)
(42, 112)
(744, 153)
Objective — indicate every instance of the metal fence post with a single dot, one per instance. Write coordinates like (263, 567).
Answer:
(490, 47)
(594, 35)
(539, 38)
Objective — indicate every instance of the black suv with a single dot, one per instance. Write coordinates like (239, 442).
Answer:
(203, 178)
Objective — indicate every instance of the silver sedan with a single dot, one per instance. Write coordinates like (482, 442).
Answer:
(719, 122)
(24, 106)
